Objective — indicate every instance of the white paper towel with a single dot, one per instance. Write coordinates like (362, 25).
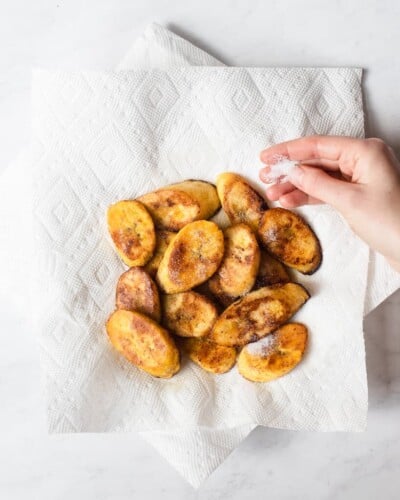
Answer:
(159, 47)
(101, 137)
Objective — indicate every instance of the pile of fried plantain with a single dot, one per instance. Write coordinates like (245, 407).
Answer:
(217, 296)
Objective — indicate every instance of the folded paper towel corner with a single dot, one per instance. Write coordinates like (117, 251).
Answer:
(100, 137)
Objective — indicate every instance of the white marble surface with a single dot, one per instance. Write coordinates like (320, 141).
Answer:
(270, 463)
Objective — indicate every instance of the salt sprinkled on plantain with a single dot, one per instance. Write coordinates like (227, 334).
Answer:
(262, 347)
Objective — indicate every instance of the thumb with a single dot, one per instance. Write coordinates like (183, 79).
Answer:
(317, 183)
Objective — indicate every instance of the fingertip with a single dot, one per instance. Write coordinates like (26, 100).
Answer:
(263, 174)
(273, 154)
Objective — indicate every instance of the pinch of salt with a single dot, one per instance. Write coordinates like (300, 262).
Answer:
(262, 347)
(280, 170)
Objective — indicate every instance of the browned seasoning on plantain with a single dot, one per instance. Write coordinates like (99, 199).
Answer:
(239, 200)
(238, 270)
(200, 243)
(211, 357)
(270, 271)
(136, 291)
(132, 231)
(189, 314)
(275, 355)
(144, 343)
(290, 239)
(258, 313)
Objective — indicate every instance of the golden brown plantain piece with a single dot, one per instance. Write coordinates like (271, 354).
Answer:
(275, 355)
(211, 357)
(238, 270)
(171, 209)
(239, 200)
(144, 343)
(193, 256)
(258, 314)
(290, 239)
(204, 193)
(136, 291)
(188, 314)
(132, 231)
(163, 239)
(270, 271)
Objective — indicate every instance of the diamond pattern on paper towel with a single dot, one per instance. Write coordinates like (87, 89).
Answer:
(192, 148)
(60, 211)
(137, 131)
(322, 93)
(75, 95)
(63, 331)
(243, 101)
(99, 272)
(156, 100)
(112, 155)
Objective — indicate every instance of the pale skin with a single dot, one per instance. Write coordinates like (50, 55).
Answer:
(358, 177)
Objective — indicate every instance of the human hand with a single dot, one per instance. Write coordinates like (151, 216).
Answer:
(359, 177)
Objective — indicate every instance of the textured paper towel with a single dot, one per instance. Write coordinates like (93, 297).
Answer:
(100, 137)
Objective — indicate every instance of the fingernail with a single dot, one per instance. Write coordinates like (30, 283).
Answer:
(296, 175)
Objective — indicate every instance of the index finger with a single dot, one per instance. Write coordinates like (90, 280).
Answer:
(315, 147)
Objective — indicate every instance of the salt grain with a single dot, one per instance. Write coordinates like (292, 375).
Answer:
(263, 347)
(280, 169)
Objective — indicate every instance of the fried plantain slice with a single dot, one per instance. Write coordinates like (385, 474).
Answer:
(171, 209)
(275, 355)
(188, 314)
(211, 357)
(239, 200)
(193, 256)
(144, 343)
(290, 239)
(204, 193)
(132, 231)
(258, 314)
(270, 271)
(238, 270)
(136, 291)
